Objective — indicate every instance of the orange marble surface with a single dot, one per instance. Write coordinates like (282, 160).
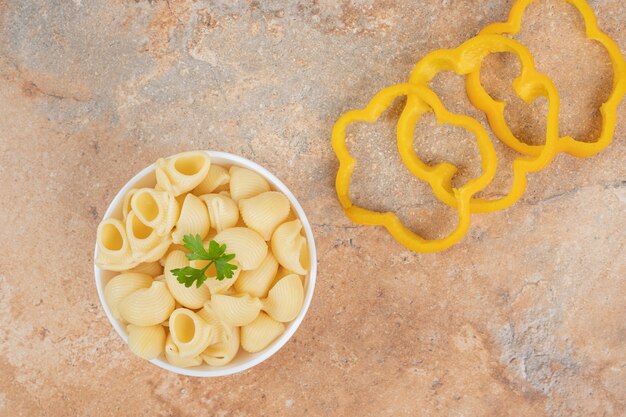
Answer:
(524, 317)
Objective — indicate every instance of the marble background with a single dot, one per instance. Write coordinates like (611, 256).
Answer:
(524, 317)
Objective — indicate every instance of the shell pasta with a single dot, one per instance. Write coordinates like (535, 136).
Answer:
(284, 300)
(257, 282)
(257, 335)
(190, 333)
(248, 246)
(122, 286)
(194, 218)
(173, 355)
(114, 251)
(264, 212)
(171, 292)
(147, 306)
(146, 245)
(236, 310)
(156, 209)
(217, 177)
(146, 342)
(245, 183)
(182, 173)
(290, 247)
(223, 211)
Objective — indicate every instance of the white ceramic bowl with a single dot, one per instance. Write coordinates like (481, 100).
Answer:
(243, 360)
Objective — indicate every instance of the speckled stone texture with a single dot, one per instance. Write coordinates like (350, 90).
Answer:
(525, 317)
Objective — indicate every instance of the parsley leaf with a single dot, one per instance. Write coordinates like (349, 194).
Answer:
(195, 245)
(216, 255)
(188, 275)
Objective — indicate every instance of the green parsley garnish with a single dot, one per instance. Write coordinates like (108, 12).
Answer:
(216, 255)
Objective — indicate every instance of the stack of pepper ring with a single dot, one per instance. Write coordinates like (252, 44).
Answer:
(466, 60)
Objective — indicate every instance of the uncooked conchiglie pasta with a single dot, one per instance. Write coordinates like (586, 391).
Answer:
(147, 306)
(264, 212)
(236, 310)
(257, 282)
(245, 183)
(190, 333)
(220, 354)
(156, 209)
(151, 268)
(217, 177)
(145, 243)
(190, 297)
(121, 287)
(290, 247)
(194, 219)
(284, 301)
(173, 356)
(248, 246)
(126, 204)
(258, 335)
(146, 342)
(183, 172)
(207, 314)
(114, 251)
(223, 211)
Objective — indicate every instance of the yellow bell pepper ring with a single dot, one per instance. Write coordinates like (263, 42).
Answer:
(529, 84)
(608, 109)
(438, 176)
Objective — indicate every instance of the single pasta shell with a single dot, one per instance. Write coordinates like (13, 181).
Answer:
(156, 209)
(223, 211)
(245, 183)
(147, 306)
(146, 342)
(194, 219)
(123, 285)
(145, 243)
(190, 297)
(114, 252)
(236, 310)
(248, 246)
(220, 354)
(285, 299)
(264, 212)
(190, 333)
(150, 268)
(258, 335)
(173, 356)
(290, 247)
(182, 172)
(257, 282)
(217, 177)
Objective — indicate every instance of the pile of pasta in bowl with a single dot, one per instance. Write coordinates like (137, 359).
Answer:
(209, 260)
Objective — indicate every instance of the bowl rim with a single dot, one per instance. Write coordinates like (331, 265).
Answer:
(291, 327)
